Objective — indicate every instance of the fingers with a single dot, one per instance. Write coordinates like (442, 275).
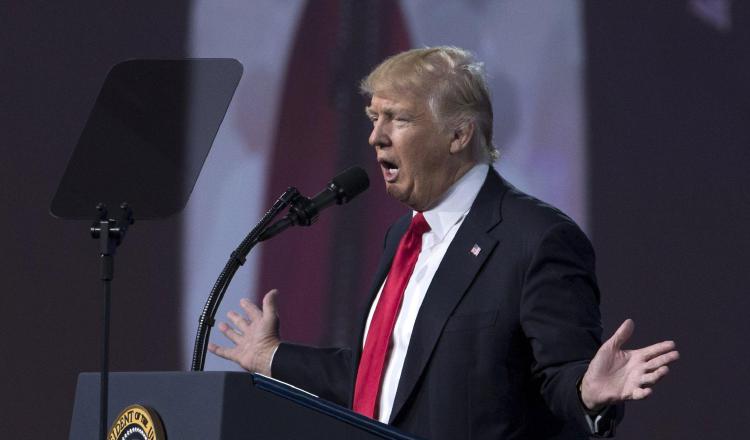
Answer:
(241, 323)
(647, 382)
(649, 379)
(220, 351)
(645, 385)
(269, 306)
(663, 359)
(656, 350)
(622, 334)
(230, 333)
(641, 393)
(254, 314)
(252, 311)
(252, 333)
(269, 303)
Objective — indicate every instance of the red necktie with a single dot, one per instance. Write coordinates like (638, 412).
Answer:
(371, 365)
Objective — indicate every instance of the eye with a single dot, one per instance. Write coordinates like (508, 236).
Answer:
(371, 115)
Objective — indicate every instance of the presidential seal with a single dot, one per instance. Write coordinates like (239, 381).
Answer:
(137, 422)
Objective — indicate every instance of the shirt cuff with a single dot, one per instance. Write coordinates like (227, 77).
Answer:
(601, 423)
(270, 361)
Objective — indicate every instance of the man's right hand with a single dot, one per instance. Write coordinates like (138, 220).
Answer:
(255, 337)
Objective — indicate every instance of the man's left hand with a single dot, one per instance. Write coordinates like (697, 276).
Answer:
(615, 374)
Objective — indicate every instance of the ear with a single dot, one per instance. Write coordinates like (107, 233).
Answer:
(462, 138)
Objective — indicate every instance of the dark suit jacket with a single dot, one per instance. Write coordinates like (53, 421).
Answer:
(502, 338)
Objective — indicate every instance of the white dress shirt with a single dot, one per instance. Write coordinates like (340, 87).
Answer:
(444, 220)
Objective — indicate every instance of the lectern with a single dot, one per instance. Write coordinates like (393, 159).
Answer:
(222, 406)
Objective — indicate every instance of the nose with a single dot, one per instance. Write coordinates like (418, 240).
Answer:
(379, 136)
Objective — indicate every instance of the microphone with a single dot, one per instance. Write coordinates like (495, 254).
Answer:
(304, 211)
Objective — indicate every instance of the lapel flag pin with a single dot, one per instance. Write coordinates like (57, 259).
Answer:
(475, 250)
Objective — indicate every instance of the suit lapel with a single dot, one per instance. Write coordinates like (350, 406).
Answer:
(454, 275)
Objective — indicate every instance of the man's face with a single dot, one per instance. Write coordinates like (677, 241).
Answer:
(413, 150)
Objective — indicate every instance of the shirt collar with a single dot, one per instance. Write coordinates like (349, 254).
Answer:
(456, 202)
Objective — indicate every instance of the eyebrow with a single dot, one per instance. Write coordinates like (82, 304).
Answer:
(388, 111)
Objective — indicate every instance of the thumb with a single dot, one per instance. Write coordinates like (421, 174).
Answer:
(623, 333)
(269, 303)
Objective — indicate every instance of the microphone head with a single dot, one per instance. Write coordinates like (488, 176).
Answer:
(349, 184)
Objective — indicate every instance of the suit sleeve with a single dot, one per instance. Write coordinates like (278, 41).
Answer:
(560, 316)
(325, 372)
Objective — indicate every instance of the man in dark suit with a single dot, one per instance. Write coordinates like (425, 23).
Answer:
(484, 320)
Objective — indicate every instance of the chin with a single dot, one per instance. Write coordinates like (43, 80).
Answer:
(393, 191)
(396, 193)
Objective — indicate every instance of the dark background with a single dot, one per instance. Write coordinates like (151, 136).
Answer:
(669, 155)
(55, 56)
(669, 135)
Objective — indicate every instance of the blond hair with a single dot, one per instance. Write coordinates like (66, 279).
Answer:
(452, 82)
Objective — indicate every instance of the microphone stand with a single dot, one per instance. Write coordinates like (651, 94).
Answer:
(237, 259)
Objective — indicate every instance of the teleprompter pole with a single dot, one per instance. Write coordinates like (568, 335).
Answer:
(110, 233)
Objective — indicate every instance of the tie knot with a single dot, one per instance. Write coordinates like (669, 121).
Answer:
(419, 224)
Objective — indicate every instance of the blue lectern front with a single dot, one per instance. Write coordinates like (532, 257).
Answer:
(222, 406)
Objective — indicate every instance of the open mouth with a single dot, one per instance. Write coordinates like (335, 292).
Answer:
(390, 170)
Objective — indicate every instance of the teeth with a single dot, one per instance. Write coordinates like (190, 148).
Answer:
(390, 170)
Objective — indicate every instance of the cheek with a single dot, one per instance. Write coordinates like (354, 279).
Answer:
(419, 156)
(413, 165)
(428, 160)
